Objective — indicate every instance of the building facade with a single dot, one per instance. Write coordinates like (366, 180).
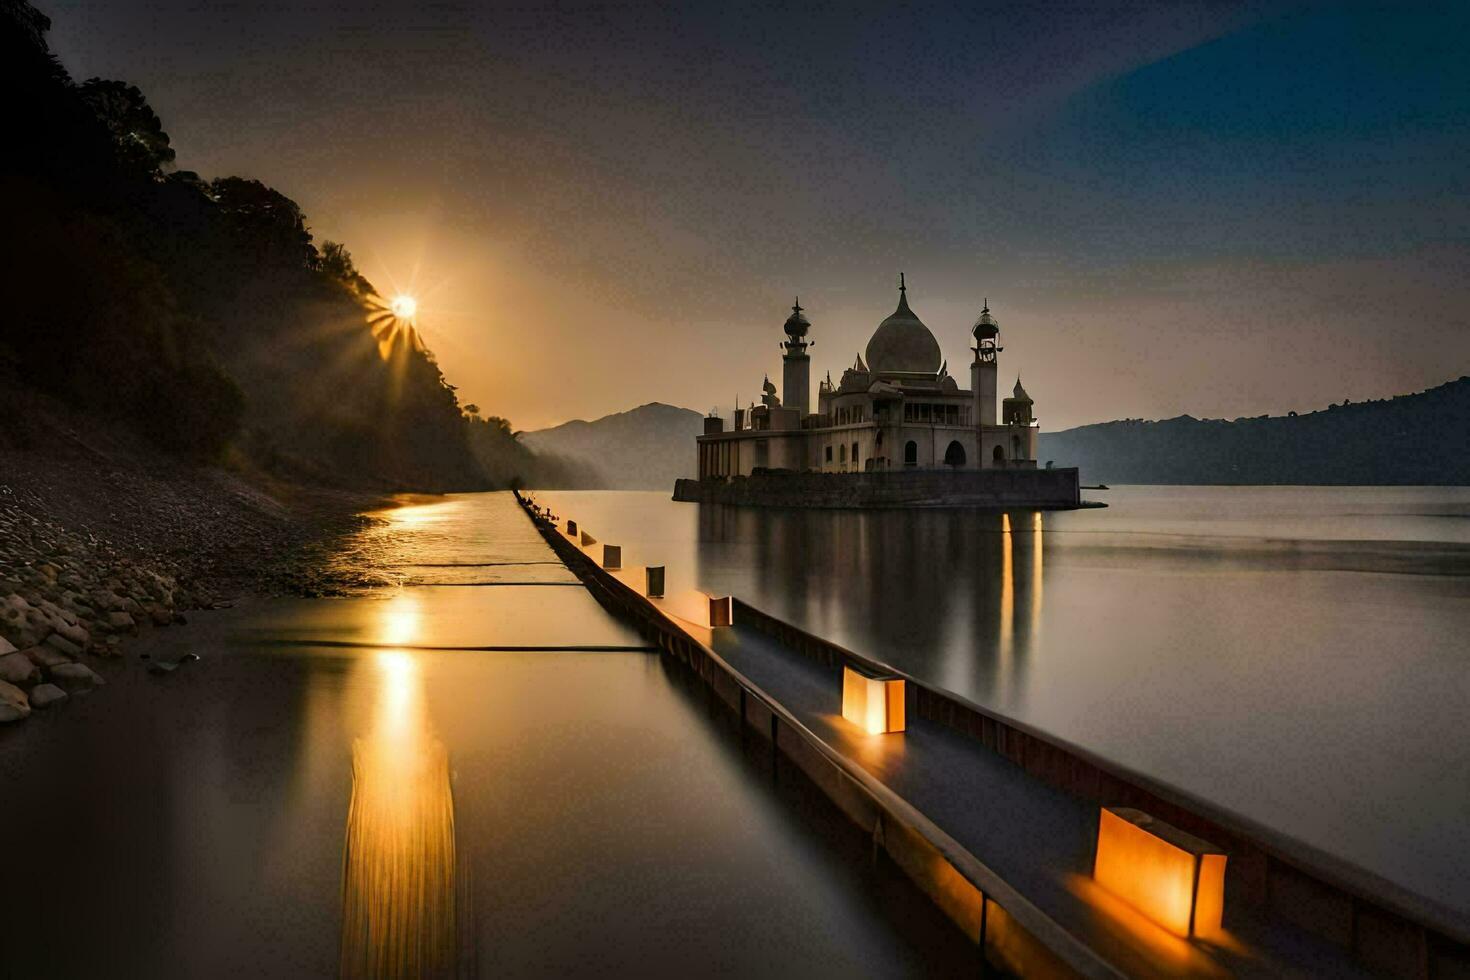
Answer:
(897, 407)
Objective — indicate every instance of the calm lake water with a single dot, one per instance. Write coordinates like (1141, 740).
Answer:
(348, 786)
(1298, 655)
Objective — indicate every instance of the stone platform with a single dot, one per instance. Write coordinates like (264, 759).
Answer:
(1044, 489)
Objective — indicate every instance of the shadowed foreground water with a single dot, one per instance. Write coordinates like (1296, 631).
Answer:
(378, 807)
(1298, 655)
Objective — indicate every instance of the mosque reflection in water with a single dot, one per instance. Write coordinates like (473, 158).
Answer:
(965, 588)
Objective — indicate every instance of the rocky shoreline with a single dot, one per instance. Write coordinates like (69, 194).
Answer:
(65, 597)
(81, 573)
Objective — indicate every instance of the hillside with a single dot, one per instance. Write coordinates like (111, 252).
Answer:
(1417, 439)
(201, 314)
(646, 448)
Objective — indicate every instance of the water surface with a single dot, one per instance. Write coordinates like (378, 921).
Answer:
(1298, 655)
(447, 779)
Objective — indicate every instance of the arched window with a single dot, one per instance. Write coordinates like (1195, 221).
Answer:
(842, 454)
(878, 440)
(954, 455)
(1015, 447)
(854, 455)
(911, 453)
(999, 455)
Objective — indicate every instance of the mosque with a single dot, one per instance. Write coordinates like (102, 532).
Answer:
(897, 408)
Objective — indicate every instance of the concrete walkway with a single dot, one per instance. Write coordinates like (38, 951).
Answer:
(1038, 838)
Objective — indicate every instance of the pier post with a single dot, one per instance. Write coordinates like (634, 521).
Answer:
(721, 611)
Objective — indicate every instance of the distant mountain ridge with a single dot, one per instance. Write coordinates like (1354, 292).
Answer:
(1418, 439)
(645, 448)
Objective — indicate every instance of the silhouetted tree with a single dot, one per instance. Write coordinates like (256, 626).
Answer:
(266, 221)
(334, 261)
(142, 145)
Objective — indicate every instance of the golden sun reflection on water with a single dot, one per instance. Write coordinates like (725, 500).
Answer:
(400, 621)
(398, 866)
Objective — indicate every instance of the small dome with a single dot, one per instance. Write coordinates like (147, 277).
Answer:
(902, 344)
(797, 324)
(986, 327)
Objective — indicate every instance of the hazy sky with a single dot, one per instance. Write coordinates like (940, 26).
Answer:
(1207, 208)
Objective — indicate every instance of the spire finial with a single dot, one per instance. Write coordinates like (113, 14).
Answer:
(987, 305)
(796, 307)
(901, 287)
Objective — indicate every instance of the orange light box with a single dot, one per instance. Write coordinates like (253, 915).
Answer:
(872, 702)
(700, 608)
(1171, 876)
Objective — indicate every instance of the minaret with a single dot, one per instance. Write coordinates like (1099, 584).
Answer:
(796, 366)
(982, 372)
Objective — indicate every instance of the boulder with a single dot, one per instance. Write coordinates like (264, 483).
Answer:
(121, 621)
(17, 668)
(160, 615)
(76, 634)
(45, 695)
(75, 676)
(57, 614)
(20, 623)
(13, 703)
(63, 645)
(6, 646)
(45, 656)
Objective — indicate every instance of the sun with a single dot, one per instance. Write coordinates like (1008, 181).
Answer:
(404, 306)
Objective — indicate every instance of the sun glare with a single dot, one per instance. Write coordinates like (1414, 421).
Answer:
(404, 306)
(394, 323)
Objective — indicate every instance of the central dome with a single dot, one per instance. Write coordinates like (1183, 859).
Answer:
(902, 344)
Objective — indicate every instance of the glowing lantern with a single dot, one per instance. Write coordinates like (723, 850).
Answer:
(612, 556)
(694, 606)
(654, 581)
(1172, 877)
(721, 611)
(872, 702)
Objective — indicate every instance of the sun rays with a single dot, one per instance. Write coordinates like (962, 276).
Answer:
(394, 324)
